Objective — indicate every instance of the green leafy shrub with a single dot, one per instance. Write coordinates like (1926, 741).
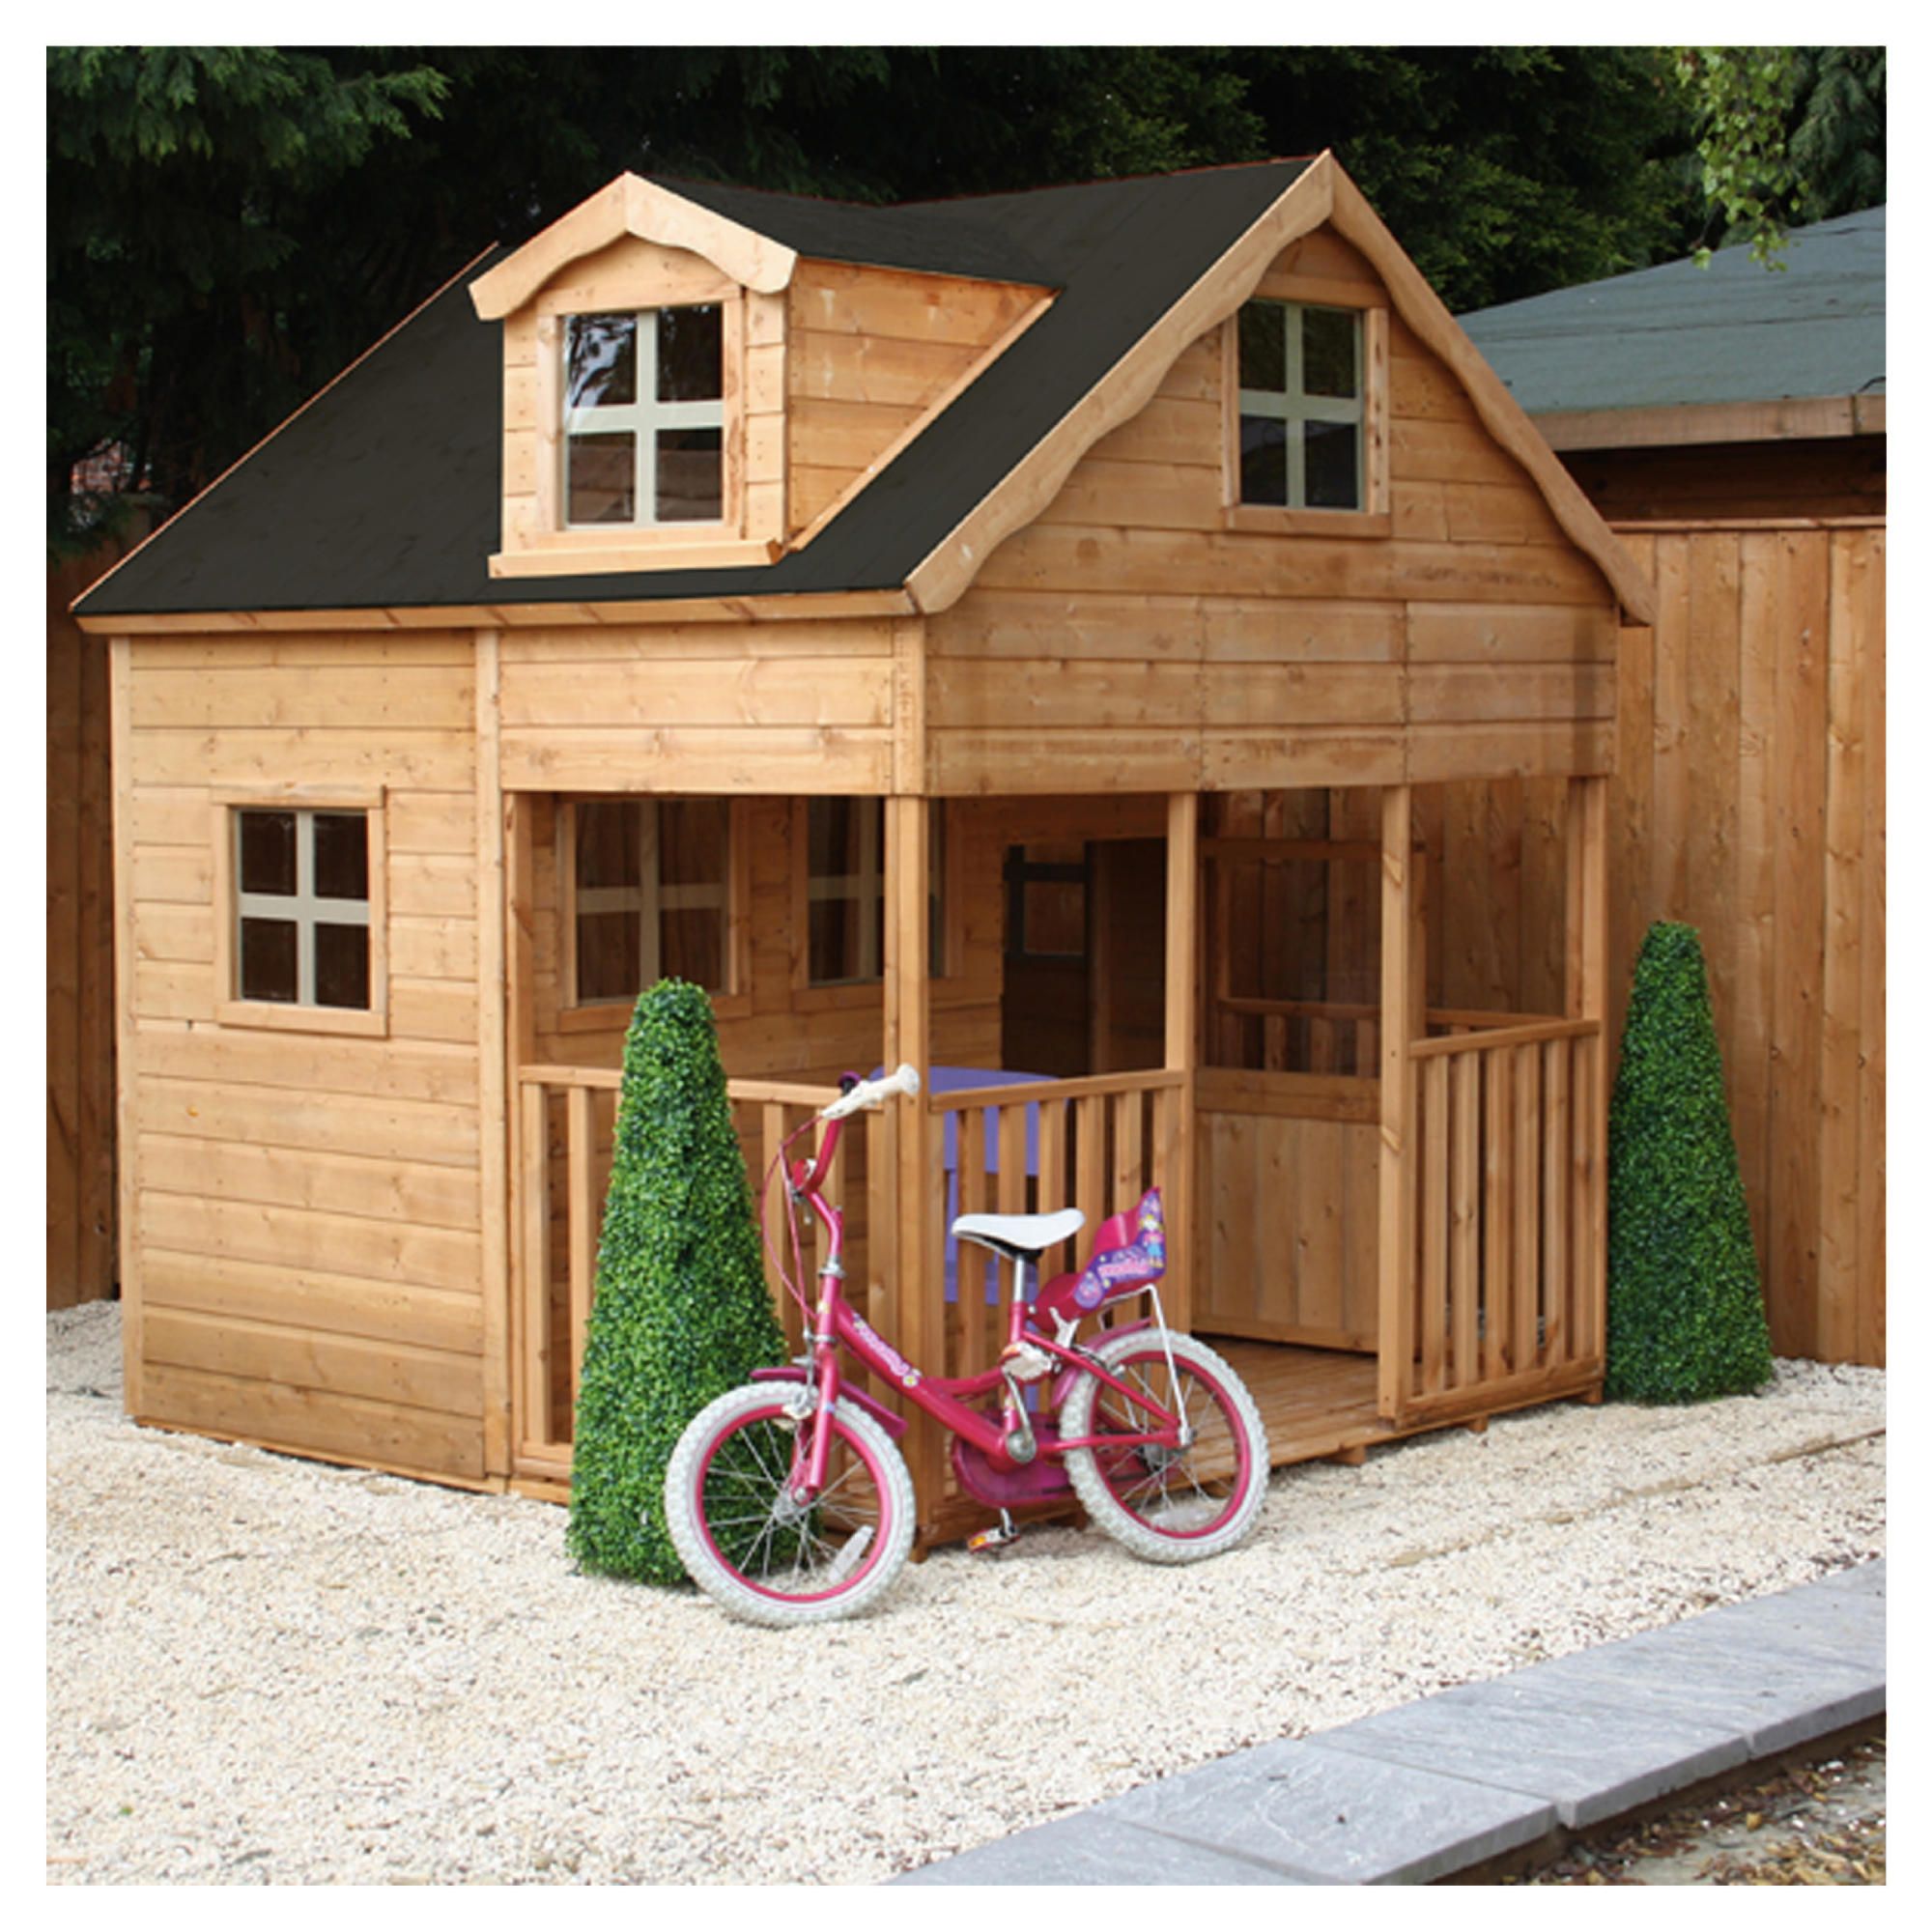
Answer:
(682, 1311)
(1685, 1315)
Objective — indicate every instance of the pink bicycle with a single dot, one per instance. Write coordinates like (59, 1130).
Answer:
(789, 1503)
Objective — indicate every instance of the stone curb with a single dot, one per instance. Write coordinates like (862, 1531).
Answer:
(1435, 1787)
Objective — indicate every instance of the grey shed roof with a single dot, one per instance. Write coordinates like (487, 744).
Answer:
(1680, 336)
(386, 490)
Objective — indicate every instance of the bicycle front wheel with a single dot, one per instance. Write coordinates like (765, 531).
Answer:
(746, 1541)
(1167, 1505)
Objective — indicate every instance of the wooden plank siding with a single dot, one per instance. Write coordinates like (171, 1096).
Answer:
(1129, 639)
(870, 352)
(1747, 801)
(308, 1206)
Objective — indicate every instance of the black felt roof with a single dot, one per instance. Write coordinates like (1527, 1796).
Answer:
(385, 492)
(1678, 334)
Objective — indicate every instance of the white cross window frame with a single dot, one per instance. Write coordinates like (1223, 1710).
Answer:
(304, 908)
(641, 420)
(1292, 406)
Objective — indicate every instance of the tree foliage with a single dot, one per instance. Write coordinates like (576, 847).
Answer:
(1686, 1317)
(1784, 135)
(682, 1311)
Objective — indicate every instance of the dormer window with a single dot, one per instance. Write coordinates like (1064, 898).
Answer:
(644, 417)
(1301, 395)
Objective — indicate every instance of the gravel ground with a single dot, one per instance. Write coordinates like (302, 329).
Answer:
(268, 1671)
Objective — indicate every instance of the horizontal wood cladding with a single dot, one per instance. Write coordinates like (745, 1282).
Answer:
(870, 351)
(794, 708)
(307, 1208)
(1127, 638)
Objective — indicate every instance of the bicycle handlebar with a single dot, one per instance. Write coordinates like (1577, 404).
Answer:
(873, 1093)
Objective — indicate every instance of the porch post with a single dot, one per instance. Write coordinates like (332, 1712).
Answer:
(1587, 958)
(1176, 1105)
(907, 1123)
(1396, 1228)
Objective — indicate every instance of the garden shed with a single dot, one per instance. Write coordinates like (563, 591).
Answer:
(1730, 423)
(1026, 636)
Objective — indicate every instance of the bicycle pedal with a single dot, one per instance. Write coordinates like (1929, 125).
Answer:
(1004, 1532)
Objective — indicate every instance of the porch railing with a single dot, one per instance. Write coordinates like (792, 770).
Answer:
(566, 1128)
(1509, 1235)
(1095, 1143)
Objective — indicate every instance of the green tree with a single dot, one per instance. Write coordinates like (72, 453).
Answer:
(1686, 1317)
(682, 1311)
(178, 292)
(1783, 135)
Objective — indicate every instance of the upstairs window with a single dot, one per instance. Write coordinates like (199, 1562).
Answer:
(302, 935)
(1301, 407)
(644, 417)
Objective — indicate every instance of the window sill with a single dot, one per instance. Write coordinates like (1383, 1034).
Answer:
(274, 1017)
(634, 550)
(1264, 520)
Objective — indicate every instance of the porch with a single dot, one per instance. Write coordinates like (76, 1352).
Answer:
(1388, 1213)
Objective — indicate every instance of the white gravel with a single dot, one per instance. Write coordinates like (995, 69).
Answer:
(269, 1672)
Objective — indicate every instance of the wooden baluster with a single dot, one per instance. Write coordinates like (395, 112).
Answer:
(1433, 1287)
(1556, 1199)
(1524, 1179)
(1499, 1223)
(1053, 1180)
(1012, 1148)
(967, 1314)
(582, 1222)
(1466, 1231)
(1582, 1055)
(534, 1153)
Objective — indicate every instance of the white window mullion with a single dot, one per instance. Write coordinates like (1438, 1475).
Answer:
(645, 452)
(304, 909)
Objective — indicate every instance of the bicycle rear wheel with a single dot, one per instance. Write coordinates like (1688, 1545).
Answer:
(1167, 1505)
(750, 1546)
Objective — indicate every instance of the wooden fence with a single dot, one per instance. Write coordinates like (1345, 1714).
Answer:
(1749, 801)
(81, 1259)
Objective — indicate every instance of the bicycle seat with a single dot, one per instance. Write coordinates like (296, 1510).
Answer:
(1019, 1237)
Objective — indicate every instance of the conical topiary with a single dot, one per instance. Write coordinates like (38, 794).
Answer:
(1686, 1316)
(682, 1311)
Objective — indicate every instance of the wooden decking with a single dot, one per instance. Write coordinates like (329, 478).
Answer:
(1315, 1402)
(1321, 1401)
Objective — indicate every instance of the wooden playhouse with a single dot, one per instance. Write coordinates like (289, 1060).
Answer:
(1053, 638)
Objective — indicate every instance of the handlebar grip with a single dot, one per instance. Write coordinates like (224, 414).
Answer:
(873, 1093)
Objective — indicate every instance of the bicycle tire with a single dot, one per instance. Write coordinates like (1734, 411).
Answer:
(732, 1524)
(1169, 1506)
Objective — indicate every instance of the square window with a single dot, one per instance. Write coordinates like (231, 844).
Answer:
(650, 883)
(302, 931)
(1301, 407)
(644, 417)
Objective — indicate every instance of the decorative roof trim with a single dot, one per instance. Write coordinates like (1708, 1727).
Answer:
(633, 205)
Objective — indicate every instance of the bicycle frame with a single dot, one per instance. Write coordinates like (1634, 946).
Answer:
(946, 1400)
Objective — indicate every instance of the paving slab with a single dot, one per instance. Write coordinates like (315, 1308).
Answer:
(1773, 1698)
(1590, 1761)
(1091, 1848)
(1327, 1817)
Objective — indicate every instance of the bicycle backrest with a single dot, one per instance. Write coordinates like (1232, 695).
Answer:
(1126, 1255)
